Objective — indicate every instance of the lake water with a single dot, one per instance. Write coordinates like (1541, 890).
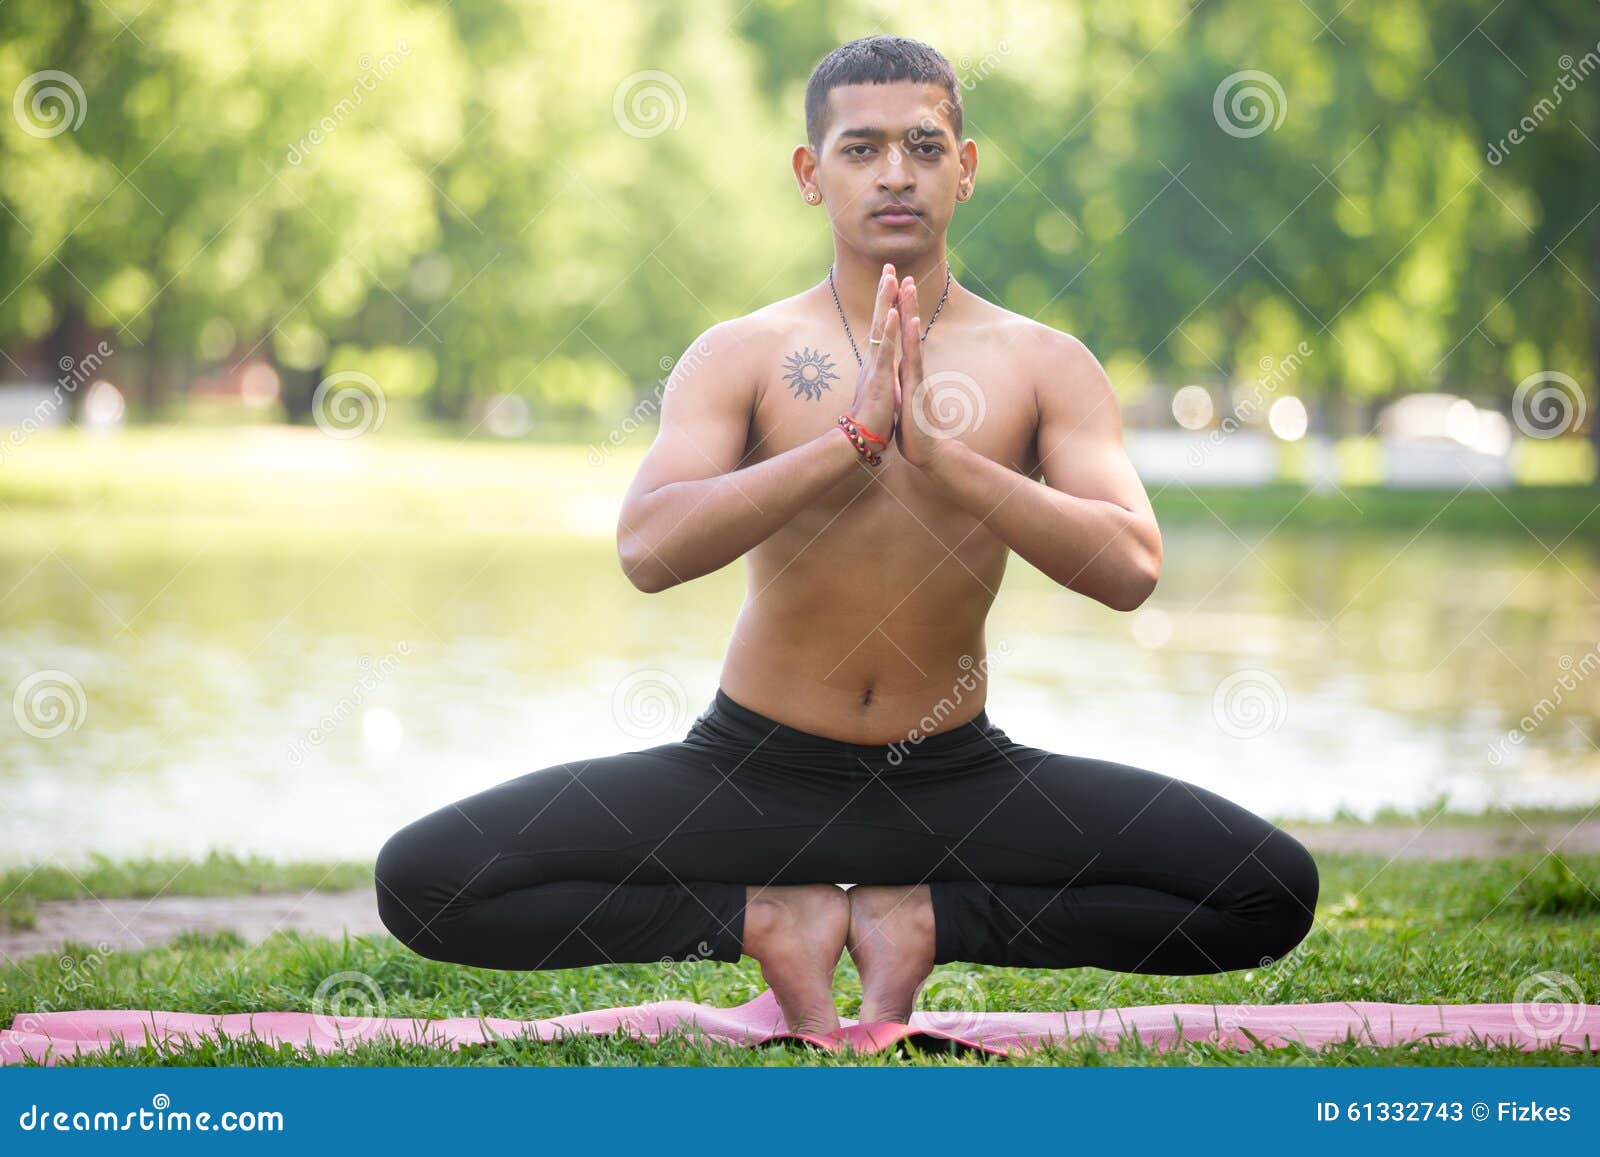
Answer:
(300, 696)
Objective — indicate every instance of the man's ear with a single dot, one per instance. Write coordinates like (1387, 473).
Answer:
(969, 169)
(804, 161)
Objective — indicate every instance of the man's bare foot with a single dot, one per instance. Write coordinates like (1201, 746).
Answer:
(797, 932)
(891, 942)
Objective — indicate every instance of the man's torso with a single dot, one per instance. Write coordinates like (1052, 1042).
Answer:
(864, 613)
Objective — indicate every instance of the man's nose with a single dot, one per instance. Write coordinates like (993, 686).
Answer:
(896, 173)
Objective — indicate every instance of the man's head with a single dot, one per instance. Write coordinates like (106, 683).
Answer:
(883, 121)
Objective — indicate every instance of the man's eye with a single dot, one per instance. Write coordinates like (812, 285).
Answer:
(851, 151)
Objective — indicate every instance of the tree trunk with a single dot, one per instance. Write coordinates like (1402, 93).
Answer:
(62, 349)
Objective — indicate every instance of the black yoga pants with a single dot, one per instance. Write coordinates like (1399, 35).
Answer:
(1033, 858)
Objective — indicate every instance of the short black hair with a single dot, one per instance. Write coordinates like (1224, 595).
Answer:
(878, 60)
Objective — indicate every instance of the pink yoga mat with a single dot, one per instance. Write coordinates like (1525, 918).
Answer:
(47, 1036)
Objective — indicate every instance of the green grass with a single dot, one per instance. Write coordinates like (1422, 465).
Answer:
(1440, 932)
(1438, 814)
(1550, 512)
(217, 874)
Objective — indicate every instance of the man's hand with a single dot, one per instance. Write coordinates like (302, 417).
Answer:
(876, 402)
(918, 433)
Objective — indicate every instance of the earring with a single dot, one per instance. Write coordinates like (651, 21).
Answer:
(811, 198)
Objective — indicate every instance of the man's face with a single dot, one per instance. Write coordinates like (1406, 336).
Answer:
(886, 145)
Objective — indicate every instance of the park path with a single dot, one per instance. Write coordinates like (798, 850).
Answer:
(142, 923)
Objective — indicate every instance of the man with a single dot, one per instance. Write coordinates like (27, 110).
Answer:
(873, 447)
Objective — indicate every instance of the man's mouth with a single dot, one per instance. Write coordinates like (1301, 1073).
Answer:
(896, 215)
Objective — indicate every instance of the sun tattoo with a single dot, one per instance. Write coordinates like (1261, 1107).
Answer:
(808, 373)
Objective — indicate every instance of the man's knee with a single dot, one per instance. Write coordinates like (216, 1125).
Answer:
(1295, 882)
(406, 878)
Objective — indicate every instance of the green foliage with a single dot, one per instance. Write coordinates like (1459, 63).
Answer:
(552, 200)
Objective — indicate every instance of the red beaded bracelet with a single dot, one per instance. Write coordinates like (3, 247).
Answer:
(858, 438)
(866, 433)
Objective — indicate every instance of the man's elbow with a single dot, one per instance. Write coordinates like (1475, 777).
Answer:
(1136, 587)
(644, 570)
(1138, 577)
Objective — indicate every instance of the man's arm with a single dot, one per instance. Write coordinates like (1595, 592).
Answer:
(1089, 526)
(688, 511)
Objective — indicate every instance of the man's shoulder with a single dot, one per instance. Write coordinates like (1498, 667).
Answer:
(752, 336)
(1066, 375)
(1034, 337)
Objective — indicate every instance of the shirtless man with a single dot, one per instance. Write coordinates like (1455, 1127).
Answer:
(848, 740)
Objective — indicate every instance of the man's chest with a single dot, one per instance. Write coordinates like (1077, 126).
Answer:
(981, 397)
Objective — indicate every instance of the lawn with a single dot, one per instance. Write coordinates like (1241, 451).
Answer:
(1445, 931)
